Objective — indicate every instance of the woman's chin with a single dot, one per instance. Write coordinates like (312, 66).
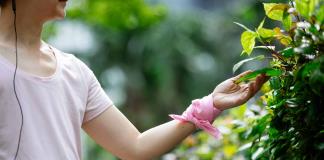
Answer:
(60, 14)
(60, 11)
(59, 18)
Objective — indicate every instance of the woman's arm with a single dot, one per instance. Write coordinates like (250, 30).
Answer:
(113, 131)
(117, 134)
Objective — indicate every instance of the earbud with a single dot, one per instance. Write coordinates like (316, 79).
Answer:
(14, 6)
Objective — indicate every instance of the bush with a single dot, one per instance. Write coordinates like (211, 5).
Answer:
(291, 125)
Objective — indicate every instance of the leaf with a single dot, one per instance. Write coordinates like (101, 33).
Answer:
(266, 33)
(248, 77)
(292, 102)
(320, 14)
(306, 70)
(275, 82)
(302, 6)
(240, 63)
(258, 153)
(275, 10)
(245, 146)
(308, 7)
(267, 71)
(248, 41)
(273, 72)
(262, 124)
(312, 5)
(286, 21)
(320, 146)
(288, 52)
(285, 40)
(277, 30)
(243, 26)
(317, 82)
(261, 24)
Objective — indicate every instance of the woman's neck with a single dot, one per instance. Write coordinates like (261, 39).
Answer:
(28, 31)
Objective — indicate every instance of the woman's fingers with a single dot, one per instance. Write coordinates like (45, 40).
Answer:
(251, 90)
(242, 75)
(246, 92)
(259, 81)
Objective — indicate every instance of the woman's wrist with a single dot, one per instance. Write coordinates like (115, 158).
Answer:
(201, 113)
(217, 106)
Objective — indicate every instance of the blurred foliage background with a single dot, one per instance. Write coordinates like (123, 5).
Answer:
(154, 56)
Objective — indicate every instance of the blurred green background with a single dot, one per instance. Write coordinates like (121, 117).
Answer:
(153, 57)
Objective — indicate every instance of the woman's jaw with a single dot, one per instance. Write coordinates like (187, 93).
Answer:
(61, 9)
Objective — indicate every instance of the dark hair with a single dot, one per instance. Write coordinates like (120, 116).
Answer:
(2, 2)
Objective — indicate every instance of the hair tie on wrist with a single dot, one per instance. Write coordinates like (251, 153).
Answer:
(202, 113)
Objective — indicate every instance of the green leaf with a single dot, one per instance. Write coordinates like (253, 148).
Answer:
(317, 82)
(286, 21)
(267, 71)
(240, 63)
(266, 33)
(273, 72)
(248, 41)
(320, 146)
(273, 131)
(275, 10)
(245, 146)
(261, 24)
(306, 70)
(258, 153)
(275, 82)
(320, 14)
(312, 5)
(306, 7)
(248, 77)
(288, 52)
(262, 124)
(243, 26)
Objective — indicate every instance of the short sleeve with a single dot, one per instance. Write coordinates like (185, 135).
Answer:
(97, 100)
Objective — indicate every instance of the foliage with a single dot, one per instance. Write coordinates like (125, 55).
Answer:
(292, 126)
(120, 15)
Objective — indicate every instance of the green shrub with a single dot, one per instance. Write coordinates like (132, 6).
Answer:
(291, 125)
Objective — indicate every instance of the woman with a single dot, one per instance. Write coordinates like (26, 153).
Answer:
(55, 95)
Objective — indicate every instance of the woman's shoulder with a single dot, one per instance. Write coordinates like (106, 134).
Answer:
(67, 58)
(70, 61)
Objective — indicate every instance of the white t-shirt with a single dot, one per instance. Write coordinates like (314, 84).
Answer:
(54, 109)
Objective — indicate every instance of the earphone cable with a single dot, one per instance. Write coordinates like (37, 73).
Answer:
(14, 82)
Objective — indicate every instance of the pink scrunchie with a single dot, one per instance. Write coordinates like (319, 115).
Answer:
(202, 113)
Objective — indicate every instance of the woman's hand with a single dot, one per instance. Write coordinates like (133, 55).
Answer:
(228, 94)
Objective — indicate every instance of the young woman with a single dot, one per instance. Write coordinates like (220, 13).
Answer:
(53, 95)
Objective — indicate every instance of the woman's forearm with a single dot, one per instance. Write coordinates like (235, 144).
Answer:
(158, 140)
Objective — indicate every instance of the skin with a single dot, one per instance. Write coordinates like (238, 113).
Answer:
(111, 129)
